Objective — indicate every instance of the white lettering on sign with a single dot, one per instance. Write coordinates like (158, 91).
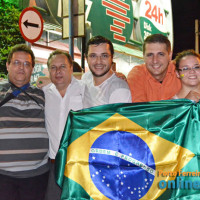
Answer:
(147, 26)
(37, 68)
(146, 34)
(34, 77)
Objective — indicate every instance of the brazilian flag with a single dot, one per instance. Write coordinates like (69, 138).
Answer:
(131, 151)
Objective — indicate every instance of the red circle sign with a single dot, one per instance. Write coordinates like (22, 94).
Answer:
(31, 24)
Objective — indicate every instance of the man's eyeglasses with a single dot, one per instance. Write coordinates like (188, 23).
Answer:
(104, 56)
(18, 63)
(187, 69)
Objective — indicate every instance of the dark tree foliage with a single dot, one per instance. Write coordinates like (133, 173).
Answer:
(9, 31)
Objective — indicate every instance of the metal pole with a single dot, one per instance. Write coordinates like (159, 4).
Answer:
(47, 38)
(197, 35)
(71, 38)
(83, 53)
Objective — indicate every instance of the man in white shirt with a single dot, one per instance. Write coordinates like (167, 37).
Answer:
(63, 94)
(104, 86)
(67, 93)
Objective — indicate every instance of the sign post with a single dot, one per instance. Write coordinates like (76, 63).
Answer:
(31, 24)
(71, 35)
(73, 21)
(197, 35)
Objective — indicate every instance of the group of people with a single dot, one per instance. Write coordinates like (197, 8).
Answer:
(160, 77)
(30, 116)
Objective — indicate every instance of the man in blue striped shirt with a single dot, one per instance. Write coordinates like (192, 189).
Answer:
(24, 141)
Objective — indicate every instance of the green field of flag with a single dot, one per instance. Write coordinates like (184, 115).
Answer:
(131, 151)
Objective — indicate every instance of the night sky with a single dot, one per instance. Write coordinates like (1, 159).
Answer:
(184, 14)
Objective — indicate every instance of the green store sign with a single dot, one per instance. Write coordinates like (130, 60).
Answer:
(113, 19)
(124, 22)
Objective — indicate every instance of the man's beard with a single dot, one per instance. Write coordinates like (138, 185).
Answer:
(99, 75)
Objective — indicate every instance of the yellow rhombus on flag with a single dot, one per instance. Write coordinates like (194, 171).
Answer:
(119, 159)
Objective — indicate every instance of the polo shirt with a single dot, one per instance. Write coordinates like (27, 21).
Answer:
(144, 87)
(24, 140)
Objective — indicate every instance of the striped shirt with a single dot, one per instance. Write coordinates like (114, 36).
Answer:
(24, 141)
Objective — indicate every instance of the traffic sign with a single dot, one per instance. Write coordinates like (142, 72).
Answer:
(31, 24)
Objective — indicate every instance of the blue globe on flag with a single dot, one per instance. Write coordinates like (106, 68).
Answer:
(121, 165)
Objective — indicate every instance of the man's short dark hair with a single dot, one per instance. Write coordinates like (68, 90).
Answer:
(59, 52)
(99, 40)
(157, 38)
(189, 52)
(21, 47)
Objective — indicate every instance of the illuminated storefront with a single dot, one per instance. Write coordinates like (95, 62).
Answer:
(126, 23)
